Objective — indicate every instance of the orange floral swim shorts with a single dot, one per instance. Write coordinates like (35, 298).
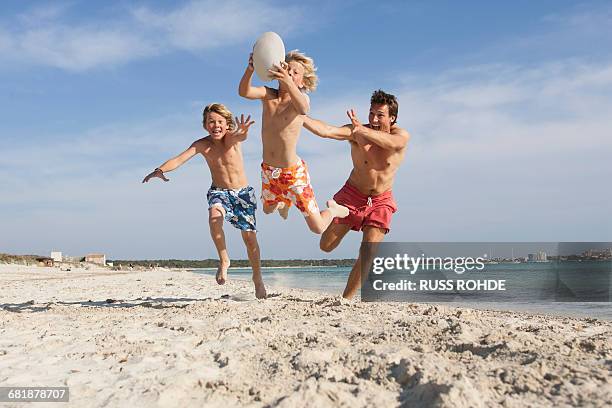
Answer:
(290, 185)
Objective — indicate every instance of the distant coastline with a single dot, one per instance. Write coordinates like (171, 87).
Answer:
(236, 263)
(194, 264)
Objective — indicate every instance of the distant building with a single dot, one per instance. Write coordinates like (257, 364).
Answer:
(70, 259)
(598, 253)
(56, 256)
(99, 259)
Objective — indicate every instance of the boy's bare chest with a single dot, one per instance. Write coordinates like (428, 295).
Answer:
(281, 111)
(222, 154)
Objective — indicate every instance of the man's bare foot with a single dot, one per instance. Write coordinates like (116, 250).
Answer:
(284, 211)
(349, 294)
(260, 289)
(221, 275)
(336, 209)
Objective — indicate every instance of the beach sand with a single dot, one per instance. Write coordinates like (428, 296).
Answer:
(176, 339)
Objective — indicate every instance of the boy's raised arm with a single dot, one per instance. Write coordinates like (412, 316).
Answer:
(300, 100)
(245, 89)
(322, 129)
(175, 162)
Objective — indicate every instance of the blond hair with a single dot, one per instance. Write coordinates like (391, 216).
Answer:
(310, 76)
(221, 110)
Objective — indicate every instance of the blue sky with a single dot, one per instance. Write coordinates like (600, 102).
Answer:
(509, 106)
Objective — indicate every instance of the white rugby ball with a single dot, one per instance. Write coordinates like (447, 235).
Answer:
(267, 51)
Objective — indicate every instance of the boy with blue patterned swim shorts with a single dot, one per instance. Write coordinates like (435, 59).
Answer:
(230, 197)
(239, 205)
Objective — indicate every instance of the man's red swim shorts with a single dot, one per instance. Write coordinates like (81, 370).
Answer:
(375, 211)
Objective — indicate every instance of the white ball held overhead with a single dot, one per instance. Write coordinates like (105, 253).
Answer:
(267, 51)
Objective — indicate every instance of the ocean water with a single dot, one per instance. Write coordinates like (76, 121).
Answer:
(322, 279)
(532, 287)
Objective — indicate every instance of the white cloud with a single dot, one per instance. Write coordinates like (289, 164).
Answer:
(44, 36)
(209, 24)
(81, 48)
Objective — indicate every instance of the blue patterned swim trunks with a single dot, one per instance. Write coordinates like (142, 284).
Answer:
(239, 205)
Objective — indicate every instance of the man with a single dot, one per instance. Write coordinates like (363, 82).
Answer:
(377, 150)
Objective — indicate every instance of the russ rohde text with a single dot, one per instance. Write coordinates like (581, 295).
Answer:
(442, 285)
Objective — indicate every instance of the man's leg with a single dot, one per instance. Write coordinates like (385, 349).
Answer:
(215, 221)
(252, 247)
(355, 279)
(332, 236)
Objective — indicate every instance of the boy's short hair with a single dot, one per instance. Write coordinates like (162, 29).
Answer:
(221, 110)
(382, 98)
(310, 76)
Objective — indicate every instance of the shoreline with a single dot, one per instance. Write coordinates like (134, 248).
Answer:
(262, 268)
(174, 338)
(527, 308)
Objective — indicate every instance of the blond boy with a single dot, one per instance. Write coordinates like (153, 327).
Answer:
(285, 178)
(230, 195)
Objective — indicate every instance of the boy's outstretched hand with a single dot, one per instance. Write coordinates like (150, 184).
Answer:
(243, 125)
(155, 173)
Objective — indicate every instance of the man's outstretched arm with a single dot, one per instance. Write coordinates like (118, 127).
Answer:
(322, 129)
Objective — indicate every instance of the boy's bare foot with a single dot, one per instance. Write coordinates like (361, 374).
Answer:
(260, 289)
(336, 209)
(283, 211)
(221, 275)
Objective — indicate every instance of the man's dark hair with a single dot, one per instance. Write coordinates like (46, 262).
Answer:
(383, 98)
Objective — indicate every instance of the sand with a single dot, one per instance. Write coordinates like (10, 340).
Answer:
(176, 339)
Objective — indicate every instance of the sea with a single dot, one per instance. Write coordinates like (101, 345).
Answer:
(529, 287)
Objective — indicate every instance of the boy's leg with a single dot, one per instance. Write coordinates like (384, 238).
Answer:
(319, 221)
(281, 207)
(215, 220)
(252, 247)
(269, 208)
(302, 196)
(355, 279)
(271, 202)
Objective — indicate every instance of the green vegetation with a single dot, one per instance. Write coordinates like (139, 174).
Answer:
(20, 259)
(213, 263)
